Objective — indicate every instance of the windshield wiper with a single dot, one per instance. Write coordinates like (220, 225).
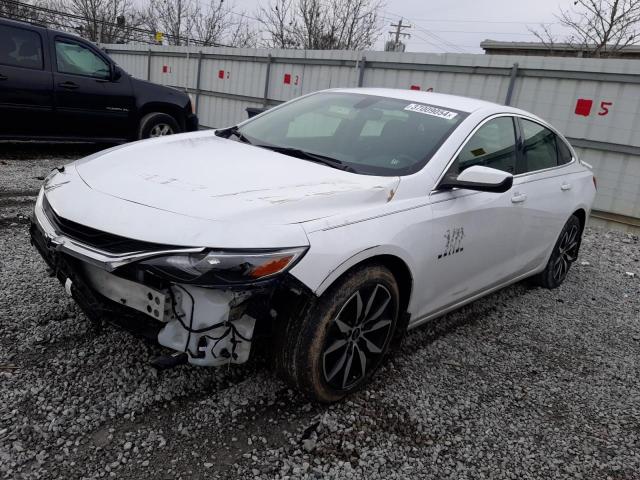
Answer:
(314, 157)
(227, 132)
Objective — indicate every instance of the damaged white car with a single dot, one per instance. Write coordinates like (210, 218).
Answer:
(323, 228)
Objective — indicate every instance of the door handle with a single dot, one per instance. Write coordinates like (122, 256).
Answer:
(69, 85)
(518, 198)
(3, 77)
(565, 186)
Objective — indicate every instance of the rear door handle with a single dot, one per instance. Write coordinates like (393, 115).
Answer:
(518, 198)
(69, 85)
(565, 186)
(3, 77)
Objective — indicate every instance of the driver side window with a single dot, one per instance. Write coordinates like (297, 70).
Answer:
(76, 59)
(493, 145)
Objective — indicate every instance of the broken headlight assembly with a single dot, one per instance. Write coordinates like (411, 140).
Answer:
(223, 267)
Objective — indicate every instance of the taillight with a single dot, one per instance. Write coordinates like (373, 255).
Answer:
(595, 183)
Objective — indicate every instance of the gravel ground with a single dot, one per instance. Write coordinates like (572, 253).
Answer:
(526, 383)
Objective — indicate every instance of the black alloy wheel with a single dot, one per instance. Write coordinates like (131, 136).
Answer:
(357, 336)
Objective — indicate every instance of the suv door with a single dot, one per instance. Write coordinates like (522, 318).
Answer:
(26, 104)
(473, 234)
(89, 101)
(542, 191)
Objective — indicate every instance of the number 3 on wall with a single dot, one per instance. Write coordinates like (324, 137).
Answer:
(604, 108)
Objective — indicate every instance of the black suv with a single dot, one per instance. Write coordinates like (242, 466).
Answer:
(57, 86)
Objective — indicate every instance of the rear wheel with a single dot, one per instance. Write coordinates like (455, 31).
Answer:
(343, 339)
(565, 252)
(157, 124)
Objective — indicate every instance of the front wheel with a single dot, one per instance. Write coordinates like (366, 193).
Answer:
(342, 341)
(157, 124)
(564, 253)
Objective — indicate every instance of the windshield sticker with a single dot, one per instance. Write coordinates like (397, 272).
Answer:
(429, 110)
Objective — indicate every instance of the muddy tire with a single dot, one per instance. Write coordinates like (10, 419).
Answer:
(157, 124)
(564, 253)
(338, 344)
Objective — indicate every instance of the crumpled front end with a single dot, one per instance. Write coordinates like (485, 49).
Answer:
(206, 304)
(211, 326)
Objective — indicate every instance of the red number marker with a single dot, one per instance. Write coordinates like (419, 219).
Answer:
(604, 110)
(287, 79)
(221, 74)
(583, 107)
(415, 87)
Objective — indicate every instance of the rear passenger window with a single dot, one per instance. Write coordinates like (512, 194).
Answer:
(540, 149)
(564, 154)
(20, 48)
(493, 145)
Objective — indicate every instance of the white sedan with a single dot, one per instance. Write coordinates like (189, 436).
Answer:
(323, 228)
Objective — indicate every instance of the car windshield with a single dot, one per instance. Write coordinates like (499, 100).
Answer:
(360, 133)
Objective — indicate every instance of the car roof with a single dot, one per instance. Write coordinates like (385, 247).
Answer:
(456, 102)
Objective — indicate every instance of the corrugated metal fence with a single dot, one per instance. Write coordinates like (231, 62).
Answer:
(595, 103)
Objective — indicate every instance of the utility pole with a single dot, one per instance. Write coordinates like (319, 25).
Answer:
(398, 33)
(100, 30)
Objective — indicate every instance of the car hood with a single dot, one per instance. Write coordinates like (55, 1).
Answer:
(204, 176)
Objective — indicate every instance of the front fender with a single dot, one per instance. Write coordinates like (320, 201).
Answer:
(321, 266)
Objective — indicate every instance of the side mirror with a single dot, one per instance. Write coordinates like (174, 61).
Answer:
(117, 73)
(482, 179)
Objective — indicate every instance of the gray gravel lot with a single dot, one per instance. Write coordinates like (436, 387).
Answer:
(526, 383)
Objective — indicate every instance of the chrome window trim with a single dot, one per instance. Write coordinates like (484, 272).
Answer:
(435, 189)
(558, 135)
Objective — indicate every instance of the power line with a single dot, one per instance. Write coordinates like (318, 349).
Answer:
(399, 33)
(447, 45)
(128, 29)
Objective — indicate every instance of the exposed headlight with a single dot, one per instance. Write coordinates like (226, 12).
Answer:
(215, 267)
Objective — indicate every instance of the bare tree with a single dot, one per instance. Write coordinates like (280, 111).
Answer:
(600, 27)
(321, 24)
(26, 10)
(174, 18)
(220, 24)
(277, 19)
(106, 21)
(185, 21)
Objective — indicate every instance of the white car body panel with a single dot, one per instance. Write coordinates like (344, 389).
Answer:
(199, 190)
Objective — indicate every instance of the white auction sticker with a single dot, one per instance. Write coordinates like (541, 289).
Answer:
(429, 110)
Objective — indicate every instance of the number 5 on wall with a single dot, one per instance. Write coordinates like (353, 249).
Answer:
(604, 108)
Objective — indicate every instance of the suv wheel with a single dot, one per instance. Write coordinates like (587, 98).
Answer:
(157, 124)
(339, 344)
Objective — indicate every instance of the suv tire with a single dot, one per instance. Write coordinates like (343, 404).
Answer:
(156, 124)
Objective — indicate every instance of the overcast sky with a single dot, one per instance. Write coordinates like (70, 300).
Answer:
(460, 25)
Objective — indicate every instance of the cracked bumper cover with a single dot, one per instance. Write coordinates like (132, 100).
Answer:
(214, 326)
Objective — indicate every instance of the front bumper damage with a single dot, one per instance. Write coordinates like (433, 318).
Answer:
(208, 326)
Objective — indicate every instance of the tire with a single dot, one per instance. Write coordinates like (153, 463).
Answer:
(157, 124)
(343, 338)
(564, 253)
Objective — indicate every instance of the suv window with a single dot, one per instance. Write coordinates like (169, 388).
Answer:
(79, 60)
(540, 148)
(20, 48)
(493, 145)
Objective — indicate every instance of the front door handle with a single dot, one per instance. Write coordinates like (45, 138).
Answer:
(518, 198)
(3, 77)
(69, 85)
(565, 186)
